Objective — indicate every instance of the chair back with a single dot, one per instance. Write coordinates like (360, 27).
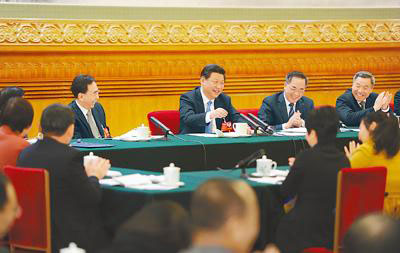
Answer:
(247, 111)
(360, 191)
(32, 229)
(391, 106)
(170, 118)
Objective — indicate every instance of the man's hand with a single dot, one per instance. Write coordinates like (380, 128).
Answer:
(291, 161)
(218, 113)
(379, 102)
(295, 120)
(97, 167)
(386, 101)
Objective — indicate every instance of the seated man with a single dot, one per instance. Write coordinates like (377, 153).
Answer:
(356, 102)
(312, 179)
(397, 103)
(90, 118)
(373, 233)
(205, 108)
(15, 123)
(225, 217)
(75, 192)
(9, 208)
(288, 108)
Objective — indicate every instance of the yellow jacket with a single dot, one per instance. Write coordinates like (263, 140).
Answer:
(365, 156)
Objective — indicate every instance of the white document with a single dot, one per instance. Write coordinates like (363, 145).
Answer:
(268, 180)
(295, 130)
(133, 180)
(113, 173)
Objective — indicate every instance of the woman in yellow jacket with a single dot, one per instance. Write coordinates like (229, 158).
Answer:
(380, 135)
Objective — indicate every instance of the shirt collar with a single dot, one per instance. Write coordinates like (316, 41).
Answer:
(287, 101)
(83, 109)
(205, 99)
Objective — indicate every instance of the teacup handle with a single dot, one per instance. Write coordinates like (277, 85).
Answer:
(274, 164)
(234, 126)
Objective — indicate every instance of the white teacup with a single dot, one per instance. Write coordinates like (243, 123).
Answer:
(265, 166)
(171, 175)
(240, 128)
(88, 158)
(143, 131)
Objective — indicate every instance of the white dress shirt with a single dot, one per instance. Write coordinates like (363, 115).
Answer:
(83, 109)
(207, 119)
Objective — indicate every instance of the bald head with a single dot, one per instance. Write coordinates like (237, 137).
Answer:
(228, 208)
(374, 233)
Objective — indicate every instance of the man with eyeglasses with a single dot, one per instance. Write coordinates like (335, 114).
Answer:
(358, 101)
(288, 108)
(206, 108)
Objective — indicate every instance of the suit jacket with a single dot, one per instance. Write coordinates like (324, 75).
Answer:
(350, 112)
(193, 116)
(313, 179)
(397, 103)
(273, 109)
(82, 128)
(74, 197)
(10, 146)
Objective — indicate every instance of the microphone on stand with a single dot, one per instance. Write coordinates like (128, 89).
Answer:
(164, 128)
(262, 124)
(251, 123)
(244, 163)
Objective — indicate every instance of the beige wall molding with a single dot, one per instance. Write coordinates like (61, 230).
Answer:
(67, 32)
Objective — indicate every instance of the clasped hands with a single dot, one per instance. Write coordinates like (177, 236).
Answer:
(382, 101)
(295, 120)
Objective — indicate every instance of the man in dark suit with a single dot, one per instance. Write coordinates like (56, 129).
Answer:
(397, 103)
(288, 108)
(75, 192)
(205, 108)
(312, 179)
(90, 118)
(358, 101)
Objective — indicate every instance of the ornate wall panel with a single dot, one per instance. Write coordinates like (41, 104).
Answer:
(145, 66)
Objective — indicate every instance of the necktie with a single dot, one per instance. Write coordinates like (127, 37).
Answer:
(92, 124)
(208, 129)
(362, 105)
(291, 110)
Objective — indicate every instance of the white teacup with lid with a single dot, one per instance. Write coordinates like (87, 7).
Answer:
(88, 158)
(72, 248)
(143, 131)
(171, 175)
(264, 166)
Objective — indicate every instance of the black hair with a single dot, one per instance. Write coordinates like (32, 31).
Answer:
(80, 84)
(373, 233)
(214, 202)
(3, 190)
(9, 92)
(212, 68)
(364, 74)
(386, 135)
(17, 114)
(297, 74)
(56, 119)
(325, 122)
(161, 226)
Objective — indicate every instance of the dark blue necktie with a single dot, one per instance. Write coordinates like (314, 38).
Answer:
(291, 110)
(208, 129)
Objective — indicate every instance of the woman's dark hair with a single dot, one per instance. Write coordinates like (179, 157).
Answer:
(162, 226)
(386, 135)
(9, 92)
(17, 114)
(325, 122)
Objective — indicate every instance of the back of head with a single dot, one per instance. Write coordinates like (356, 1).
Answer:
(80, 84)
(56, 119)
(325, 122)
(159, 227)
(298, 74)
(211, 68)
(9, 92)
(386, 135)
(17, 114)
(374, 233)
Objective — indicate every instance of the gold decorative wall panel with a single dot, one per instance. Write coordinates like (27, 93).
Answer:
(145, 66)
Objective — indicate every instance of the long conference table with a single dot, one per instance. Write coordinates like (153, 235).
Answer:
(120, 203)
(192, 153)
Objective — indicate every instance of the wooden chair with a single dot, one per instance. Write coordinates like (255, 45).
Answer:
(170, 118)
(359, 191)
(33, 229)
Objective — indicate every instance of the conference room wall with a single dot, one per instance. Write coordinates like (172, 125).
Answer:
(144, 66)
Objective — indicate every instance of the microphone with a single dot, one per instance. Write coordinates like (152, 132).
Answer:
(242, 164)
(262, 124)
(160, 125)
(251, 123)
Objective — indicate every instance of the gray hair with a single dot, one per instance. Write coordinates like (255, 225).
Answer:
(364, 74)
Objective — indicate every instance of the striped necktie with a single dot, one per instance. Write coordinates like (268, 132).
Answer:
(291, 110)
(208, 129)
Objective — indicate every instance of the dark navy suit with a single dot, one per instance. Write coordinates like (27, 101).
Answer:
(273, 109)
(349, 110)
(397, 103)
(82, 128)
(193, 116)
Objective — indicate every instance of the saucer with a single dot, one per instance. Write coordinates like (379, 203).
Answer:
(179, 184)
(257, 174)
